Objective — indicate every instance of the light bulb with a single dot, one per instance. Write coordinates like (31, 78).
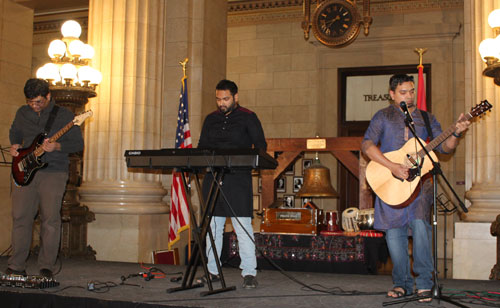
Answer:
(71, 28)
(57, 48)
(76, 48)
(87, 52)
(487, 48)
(68, 71)
(494, 19)
(96, 77)
(85, 73)
(52, 71)
(41, 73)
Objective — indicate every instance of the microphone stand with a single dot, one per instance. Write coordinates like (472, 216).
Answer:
(436, 289)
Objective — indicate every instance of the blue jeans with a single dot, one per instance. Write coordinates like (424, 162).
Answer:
(246, 247)
(397, 241)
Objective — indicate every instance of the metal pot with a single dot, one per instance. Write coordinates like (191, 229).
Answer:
(365, 219)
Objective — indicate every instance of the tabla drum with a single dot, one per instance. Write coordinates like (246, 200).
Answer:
(349, 219)
(366, 218)
(331, 221)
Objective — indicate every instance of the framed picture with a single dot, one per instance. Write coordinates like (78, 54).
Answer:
(306, 163)
(259, 184)
(304, 201)
(290, 169)
(288, 201)
(256, 203)
(281, 184)
(297, 183)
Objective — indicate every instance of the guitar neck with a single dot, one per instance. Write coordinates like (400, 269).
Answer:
(39, 151)
(442, 137)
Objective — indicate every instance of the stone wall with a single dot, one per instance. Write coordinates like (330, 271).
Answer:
(16, 34)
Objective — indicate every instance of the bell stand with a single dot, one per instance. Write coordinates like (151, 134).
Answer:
(436, 170)
(200, 232)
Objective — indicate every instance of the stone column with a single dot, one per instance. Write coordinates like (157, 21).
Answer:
(131, 218)
(483, 153)
(472, 240)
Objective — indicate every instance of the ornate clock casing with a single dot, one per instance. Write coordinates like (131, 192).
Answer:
(336, 23)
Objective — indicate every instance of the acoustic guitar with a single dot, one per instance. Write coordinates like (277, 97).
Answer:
(395, 191)
(29, 160)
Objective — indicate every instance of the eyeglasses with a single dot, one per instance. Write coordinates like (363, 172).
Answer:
(35, 102)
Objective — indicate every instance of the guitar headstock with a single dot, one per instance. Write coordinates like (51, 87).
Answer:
(480, 108)
(79, 119)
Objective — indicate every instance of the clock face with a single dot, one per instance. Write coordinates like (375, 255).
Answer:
(336, 23)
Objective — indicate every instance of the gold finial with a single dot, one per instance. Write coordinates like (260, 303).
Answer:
(420, 52)
(183, 63)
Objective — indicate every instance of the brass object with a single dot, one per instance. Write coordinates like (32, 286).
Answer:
(317, 182)
(335, 23)
(366, 219)
(183, 64)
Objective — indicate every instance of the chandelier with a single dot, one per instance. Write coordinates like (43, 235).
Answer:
(490, 49)
(71, 79)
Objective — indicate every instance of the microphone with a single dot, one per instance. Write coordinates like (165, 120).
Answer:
(409, 119)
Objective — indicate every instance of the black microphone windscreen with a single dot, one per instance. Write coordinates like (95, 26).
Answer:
(402, 104)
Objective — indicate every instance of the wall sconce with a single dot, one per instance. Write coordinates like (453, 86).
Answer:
(490, 49)
(72, 80)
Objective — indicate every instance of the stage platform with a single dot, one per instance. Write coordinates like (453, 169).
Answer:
(274, 290)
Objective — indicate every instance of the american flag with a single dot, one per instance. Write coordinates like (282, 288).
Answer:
(179, 210)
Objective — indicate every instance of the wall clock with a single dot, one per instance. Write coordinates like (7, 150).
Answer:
(336, 23)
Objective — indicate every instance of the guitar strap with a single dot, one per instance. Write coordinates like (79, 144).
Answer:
(50, 121)
(425, 116)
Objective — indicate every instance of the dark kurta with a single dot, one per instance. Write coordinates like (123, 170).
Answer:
(240, 129)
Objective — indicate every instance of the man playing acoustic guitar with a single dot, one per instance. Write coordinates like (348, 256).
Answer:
(44, 192)
(387, 129)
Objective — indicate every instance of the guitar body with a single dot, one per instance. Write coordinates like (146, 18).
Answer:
(390, 189)
(26, 164)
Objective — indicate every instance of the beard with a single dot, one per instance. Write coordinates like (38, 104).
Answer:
(228, 109)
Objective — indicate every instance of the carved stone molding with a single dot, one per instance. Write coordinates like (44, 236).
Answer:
(269, 11)
(55, 24)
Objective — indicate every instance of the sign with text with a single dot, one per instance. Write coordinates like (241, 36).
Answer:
(365, 95)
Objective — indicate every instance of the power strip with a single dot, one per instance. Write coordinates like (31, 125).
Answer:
(32, 282)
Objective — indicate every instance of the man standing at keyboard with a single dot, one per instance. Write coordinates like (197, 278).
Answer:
(232, 127)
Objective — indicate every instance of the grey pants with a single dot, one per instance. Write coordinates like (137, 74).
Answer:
(43, 194)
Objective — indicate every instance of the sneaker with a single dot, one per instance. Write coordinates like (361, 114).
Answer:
(46, 273)
(249, 282)
(10, 271)
(213, 278)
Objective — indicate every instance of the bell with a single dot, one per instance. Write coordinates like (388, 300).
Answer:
(317, 182)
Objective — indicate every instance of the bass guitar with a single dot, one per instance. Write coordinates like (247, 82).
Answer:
(28, 162)
(395, 191)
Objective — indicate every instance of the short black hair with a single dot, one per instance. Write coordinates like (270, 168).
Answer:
(398, 79)
(225, 84)
(35, 87)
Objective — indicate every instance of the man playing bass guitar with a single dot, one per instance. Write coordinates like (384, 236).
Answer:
(388, 130)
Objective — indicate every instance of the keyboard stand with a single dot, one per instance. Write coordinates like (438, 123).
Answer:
(200, 233)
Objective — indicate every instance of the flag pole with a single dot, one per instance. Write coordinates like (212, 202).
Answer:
(183, 64)
(420, 52)
(421, 101)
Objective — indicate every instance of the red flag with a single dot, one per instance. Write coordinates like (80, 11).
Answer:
(421, 104)
(179, 210)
